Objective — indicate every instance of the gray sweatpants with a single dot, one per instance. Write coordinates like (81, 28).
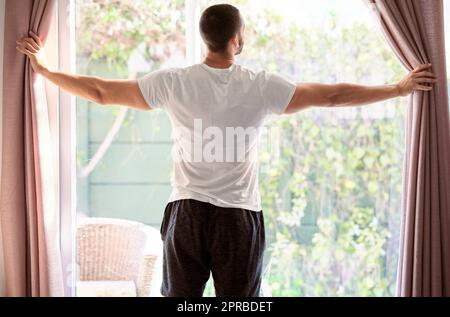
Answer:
(200, 238)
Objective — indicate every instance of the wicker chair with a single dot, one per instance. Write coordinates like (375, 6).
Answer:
(113, 250)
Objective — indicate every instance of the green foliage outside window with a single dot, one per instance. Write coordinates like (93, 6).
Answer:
(331, 196)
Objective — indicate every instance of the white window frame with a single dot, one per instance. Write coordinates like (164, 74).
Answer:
(67, 146)
(193, 40)
(67, 127)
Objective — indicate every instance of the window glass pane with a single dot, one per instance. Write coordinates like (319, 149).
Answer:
(330, 181)
(123, 155)
(331, 190)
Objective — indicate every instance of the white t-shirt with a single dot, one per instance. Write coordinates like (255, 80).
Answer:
(217, 116)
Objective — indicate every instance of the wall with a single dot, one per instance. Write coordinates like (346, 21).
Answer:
(2, 19)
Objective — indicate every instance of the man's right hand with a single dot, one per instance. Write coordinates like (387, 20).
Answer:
(33, 48)
(416, 79)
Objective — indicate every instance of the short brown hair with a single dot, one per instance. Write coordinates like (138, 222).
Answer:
(218, 24)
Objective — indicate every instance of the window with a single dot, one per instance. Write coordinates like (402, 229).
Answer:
(331, 190)
(123, 155)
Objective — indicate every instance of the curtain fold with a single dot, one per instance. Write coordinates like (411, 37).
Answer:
(415, 31)
(2, 32)
(28, 200)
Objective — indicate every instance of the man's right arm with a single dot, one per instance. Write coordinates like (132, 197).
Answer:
(343, 95)
(100, 90)
(96, 89)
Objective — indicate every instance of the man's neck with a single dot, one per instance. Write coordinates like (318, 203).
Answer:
(219, 60)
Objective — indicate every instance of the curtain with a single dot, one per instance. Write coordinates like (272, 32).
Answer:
(415, 31)
(28, 197)
(2, 19)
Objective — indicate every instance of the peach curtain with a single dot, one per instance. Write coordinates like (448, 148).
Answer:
(415, 31)
(28, 197)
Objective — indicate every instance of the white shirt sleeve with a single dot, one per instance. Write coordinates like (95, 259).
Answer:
(277, 92)
(156, 87)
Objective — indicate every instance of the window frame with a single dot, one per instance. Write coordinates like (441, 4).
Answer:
(67, 146)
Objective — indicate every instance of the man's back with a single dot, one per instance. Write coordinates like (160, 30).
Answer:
(217, 115)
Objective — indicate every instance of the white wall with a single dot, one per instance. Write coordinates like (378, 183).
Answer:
(2, 19)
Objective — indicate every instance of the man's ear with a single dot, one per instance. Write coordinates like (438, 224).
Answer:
(235, 41)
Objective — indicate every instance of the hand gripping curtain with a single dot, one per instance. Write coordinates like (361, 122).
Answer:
(415, 31)
(28, 201)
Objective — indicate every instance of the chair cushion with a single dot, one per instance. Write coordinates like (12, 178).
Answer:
(106, 289)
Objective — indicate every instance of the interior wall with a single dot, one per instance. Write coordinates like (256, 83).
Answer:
(2, 20)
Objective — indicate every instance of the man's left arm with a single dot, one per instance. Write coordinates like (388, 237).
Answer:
(343, 95)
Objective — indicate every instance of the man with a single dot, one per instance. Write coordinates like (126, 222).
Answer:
(213, 222)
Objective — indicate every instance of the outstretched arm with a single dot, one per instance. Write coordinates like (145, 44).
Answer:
(96, 89)
(343, 94)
